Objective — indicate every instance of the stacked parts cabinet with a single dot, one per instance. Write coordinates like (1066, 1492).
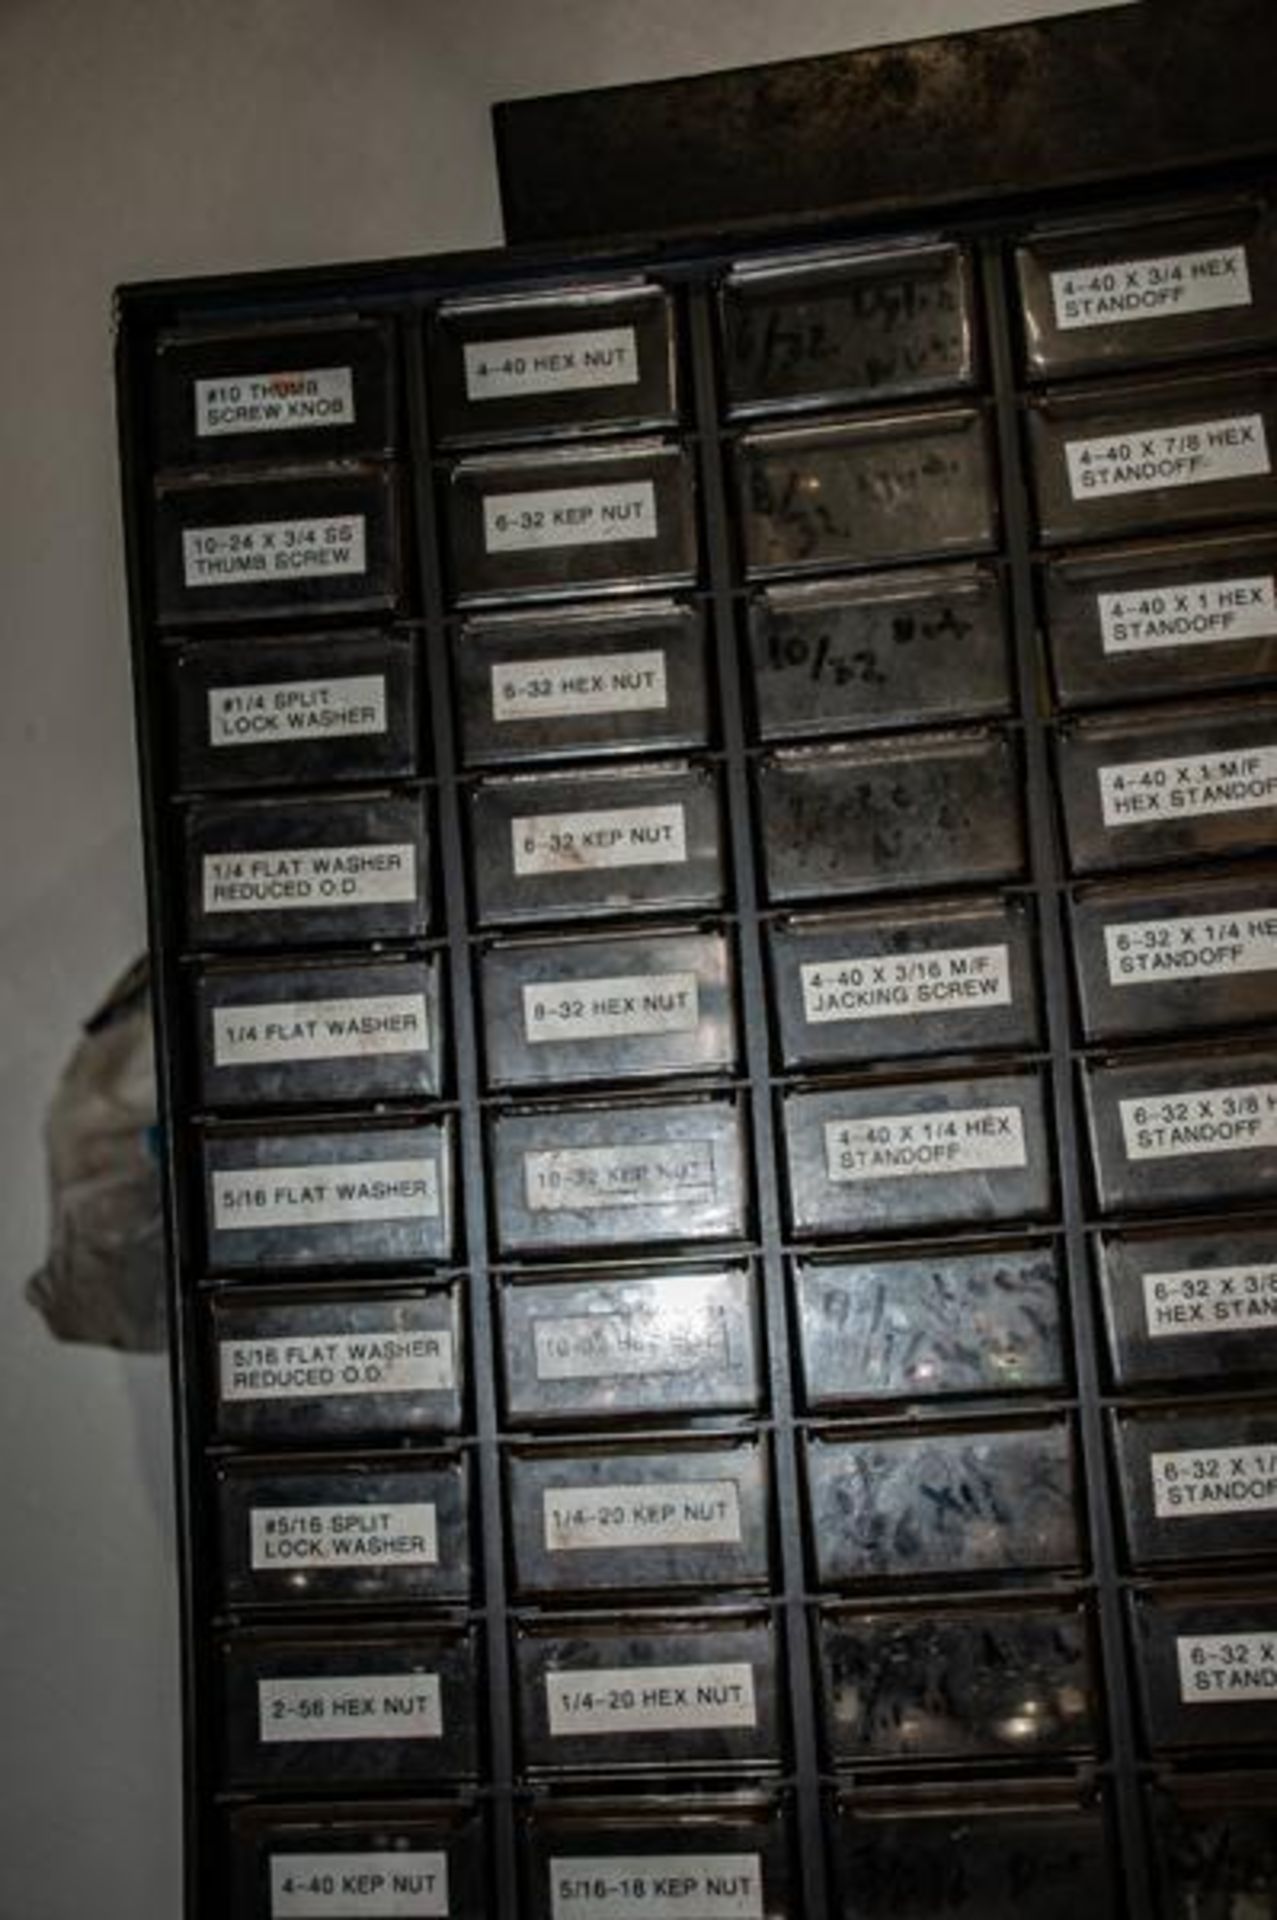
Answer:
(709, 814)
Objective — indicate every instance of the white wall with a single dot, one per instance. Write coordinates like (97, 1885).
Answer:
(142, 138)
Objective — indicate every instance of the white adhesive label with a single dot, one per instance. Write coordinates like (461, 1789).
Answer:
(688, 1513)
(1214, 1480)
(301, 710)
(359, 1886)
(1193, 455)
(1215, 1668)
(645, 1174)
(587, 842)
(620, 1008)
(587, 683)
(315, 1367)
(1139, 792)
(664, 1336)
(1171, 283)
(890, 985)
(551, 363)
(906, 1146)
(1191, 1300)
(1178, 1126)
(651, 1886)
(570, 516)
(373, 1706)
(1193, 616)
(325, 1194)
(1194, 947)
(360, 1028)
(259, 550)
(283, 878)
(651, 1699)
(395, 1535)
(274, 402)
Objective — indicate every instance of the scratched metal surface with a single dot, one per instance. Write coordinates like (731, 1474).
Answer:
(1053, 104)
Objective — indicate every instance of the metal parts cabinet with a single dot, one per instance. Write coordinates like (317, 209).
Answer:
(706, 821)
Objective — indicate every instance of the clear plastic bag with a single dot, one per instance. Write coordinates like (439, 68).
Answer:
(103, 1279)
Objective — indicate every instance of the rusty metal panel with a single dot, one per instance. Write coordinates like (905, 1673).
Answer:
(1141, 91)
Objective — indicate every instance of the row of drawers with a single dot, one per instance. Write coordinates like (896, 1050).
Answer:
(864, 492)
(830, 328)
(899, 814)
(853, 990)
(904, 1514)
(983, 1500)
(1201, 1664)
(334, 1475)
(913, 648)
(867, 1159)
(899, 1854)
(928, 1328)
(377, 1707)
